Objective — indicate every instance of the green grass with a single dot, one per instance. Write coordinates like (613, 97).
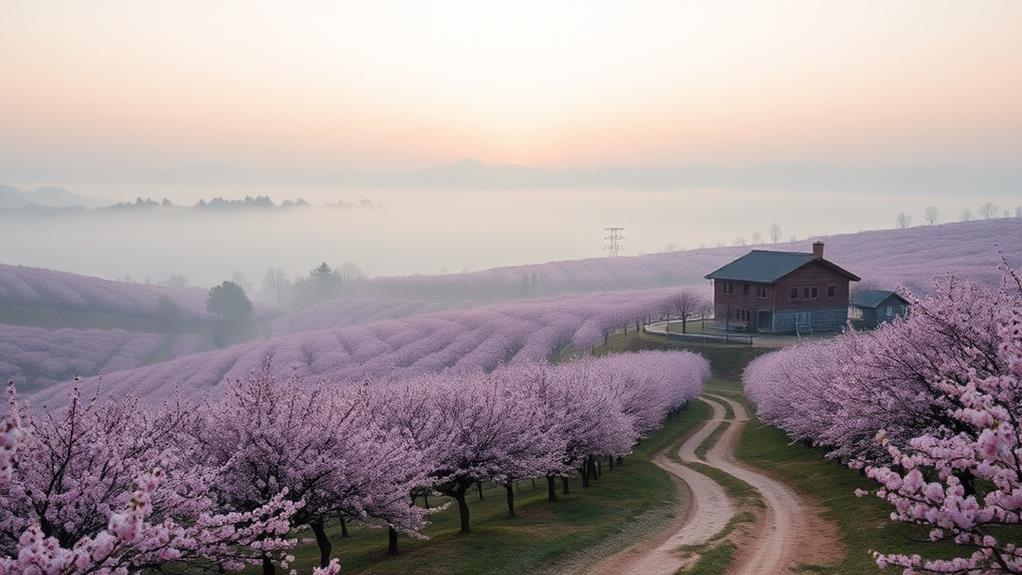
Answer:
(717, 554)
(730, 389)
(727, 361)
(713, 561)
(864, 523)
(624, 505)
(707, 445)
(694, 326)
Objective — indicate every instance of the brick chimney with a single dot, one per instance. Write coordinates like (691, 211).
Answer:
(818, 250)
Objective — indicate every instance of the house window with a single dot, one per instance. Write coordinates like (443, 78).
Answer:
(729, 288)
(794, 293)
(831, 292)
(816, 293)
(745, 290)
(890, 311)
(761, 292)
(805, 293)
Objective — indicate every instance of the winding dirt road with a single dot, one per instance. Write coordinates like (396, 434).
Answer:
(789, 532)
(707, 511)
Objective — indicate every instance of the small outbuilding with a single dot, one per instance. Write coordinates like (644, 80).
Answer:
(869, 308)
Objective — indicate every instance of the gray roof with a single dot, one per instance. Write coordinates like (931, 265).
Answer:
(765, 266)
(873, 298)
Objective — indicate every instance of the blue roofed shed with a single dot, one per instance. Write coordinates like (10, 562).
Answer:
(870, 308)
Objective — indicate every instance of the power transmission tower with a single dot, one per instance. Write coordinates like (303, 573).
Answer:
(614, 239)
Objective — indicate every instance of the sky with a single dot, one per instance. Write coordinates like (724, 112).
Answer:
(115, 91)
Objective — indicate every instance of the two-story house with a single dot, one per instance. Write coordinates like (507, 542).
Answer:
(782, 292)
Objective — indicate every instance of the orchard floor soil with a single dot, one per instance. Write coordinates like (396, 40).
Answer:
(788, 533)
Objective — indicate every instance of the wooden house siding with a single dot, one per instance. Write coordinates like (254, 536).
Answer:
(812, 275)
(771, 308)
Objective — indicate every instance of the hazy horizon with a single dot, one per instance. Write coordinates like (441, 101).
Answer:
(445, 231)
(686, 123)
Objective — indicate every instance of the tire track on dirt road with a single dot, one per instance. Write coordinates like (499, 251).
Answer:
(706, 510)
(790, 531)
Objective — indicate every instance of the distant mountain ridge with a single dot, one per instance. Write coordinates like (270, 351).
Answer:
(47, 196)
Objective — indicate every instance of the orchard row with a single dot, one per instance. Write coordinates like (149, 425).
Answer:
(114, 486)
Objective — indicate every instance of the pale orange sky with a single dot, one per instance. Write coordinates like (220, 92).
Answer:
(272, 87)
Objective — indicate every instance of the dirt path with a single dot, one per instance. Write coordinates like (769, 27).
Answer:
(706, 511)
(791, 531)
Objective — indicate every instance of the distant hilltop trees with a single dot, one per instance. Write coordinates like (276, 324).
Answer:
(218, 203)
(21, 206)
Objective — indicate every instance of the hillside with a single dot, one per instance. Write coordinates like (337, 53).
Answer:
(343, 312)
(35, 358)
(48, 298)
(884, 258)
(350, 338)
(478, 337)
(37, 288)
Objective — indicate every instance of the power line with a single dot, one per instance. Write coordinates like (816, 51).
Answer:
(614, 240)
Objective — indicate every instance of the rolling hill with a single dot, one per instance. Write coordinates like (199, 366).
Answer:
(883, 258)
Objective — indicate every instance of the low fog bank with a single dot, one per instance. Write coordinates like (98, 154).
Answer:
(399, 233)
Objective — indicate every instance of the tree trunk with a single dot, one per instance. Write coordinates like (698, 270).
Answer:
(533, 482)
(684, 324)
(459, 496)
(479, 485)
(391, 540)
(551, 489)
(599, 467)
(268, 567)
(426, 499)
(584, 472)
(968, 481)
(344, 525)
(610, 461)
(564, 485)
(322, 541)
(510, 499)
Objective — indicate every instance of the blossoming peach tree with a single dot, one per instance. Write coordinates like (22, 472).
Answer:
(930, 408)
(102, 487)
(967, 485)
